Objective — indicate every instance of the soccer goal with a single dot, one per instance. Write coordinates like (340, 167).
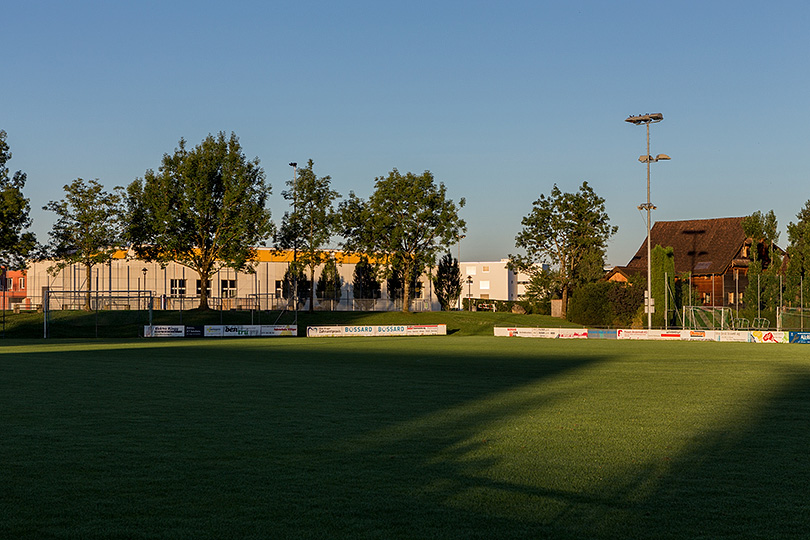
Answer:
(793, 318)
(708, 318)
(133, 306)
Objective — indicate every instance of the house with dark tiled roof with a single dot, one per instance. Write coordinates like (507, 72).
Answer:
(713, 253)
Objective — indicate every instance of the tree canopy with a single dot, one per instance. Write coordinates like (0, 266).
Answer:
(405, 222)
(568, 230)
(88, 228)
(205, 208)
(308, 228)
(15, 241)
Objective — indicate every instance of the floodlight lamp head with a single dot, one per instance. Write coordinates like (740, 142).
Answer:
(293, 164)
(662, 157)
(649, 118)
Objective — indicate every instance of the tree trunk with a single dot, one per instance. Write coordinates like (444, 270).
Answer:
(406, 289)
(89, 273)
(203, 291)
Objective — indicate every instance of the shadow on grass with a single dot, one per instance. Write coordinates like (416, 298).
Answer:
(367, 439)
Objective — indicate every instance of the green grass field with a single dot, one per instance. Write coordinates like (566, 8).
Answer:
(457, 437)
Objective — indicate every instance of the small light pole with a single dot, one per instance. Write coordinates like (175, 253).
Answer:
(459, 238)
(647, 119)
(469, 291)
(143, 270)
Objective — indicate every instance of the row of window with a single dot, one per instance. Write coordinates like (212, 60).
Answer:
(10, 284)
(227, 288)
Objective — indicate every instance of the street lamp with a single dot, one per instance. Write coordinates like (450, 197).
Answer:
(646, 120)
(144, 284)
(459, 238)
(469, 291)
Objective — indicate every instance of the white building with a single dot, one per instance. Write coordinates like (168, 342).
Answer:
(490, 280)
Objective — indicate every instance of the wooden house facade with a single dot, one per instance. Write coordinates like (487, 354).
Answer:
(713, 254)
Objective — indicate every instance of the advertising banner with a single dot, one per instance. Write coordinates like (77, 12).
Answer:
(378, 331)
(800, 337)
(737, 336)
(631, 334)
(275, 330)
(567, 333)
(164, 331)
(195, 331)
(527, 332)
(601, 334)
(766, 336)
(664, 334)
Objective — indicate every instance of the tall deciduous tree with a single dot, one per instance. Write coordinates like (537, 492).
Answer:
(310, 225)
(566, 230)
(15, 241)
(405, 222)
(365, 286)
(763, 271)
(447, 281)
(87, 230)
(799, 258)
(329, 284)
(205, 208)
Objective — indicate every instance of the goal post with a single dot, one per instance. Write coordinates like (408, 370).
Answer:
(131, 307)
(792, 318)
(708, 318)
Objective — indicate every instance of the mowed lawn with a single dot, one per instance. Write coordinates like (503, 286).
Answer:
(463, 437)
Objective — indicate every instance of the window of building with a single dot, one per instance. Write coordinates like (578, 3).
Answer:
(484, 285)
(22, 283)
(228, 288)
(484, 297)
(177, 287)
(9, 284)
(279, 288)
(207, 288)
(485, 269)
(471, 270)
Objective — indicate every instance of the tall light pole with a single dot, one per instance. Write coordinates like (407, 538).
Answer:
(294, 165)
(647, 119)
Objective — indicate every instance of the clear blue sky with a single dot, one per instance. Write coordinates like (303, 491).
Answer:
(499, 100)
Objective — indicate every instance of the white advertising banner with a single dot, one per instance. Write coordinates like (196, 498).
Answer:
(378, 331)
(573, 333)
(274, 330)
(664, 334)
(631, 334)
(164, 331)
(766, 336)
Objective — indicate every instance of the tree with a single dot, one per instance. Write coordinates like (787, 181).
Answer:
(406, 221)
(366, 288)
(798, 270)
(87, 230)
(309, 227)
(295, 284)
(204, 209)
(569, 230)
(15, 242)
(329, 284)
(763, 287)
(663, 282)
(395, 284)
(447, 281)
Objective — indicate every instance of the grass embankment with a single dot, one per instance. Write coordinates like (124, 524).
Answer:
(472, 437)
(126, 324)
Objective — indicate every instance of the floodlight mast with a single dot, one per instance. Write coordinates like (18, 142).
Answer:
(647, 119)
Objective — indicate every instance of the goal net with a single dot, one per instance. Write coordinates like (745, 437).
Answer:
(708, 318)
(129, 312)
(793, 318)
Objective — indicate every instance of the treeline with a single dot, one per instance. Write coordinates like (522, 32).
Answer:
(206, 208)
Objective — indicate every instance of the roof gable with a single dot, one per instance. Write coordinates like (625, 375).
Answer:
(701, 246)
